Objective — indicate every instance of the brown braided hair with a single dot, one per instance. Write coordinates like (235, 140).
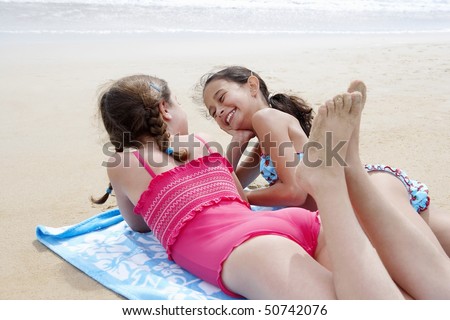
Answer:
(129, 109)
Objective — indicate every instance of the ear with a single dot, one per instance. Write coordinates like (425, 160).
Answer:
(164, 110)
(253, 83)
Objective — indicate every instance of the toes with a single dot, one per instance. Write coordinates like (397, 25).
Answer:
(356, 99)
(317, 123)
(358, 85)
(322, 110)
(321, 113)
(330, 107)
(338, 101)
(347, 102)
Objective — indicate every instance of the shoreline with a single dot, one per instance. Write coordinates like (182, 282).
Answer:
(54, 145)
(366, 36)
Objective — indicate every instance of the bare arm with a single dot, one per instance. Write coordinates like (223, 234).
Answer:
(245, 164)
(135, 221)
(239, 188)
(122, 183)
(276, 141)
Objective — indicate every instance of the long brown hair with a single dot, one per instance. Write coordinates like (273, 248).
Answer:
(129, 109)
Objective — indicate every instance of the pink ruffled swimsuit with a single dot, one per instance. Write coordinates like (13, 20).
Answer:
(197, 214)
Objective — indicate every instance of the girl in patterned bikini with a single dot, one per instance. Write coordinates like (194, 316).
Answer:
(175, 185)
(239, 101)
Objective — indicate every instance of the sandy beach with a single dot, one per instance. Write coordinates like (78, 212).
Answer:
(52, 142)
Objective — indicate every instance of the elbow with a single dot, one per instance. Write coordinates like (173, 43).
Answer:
(139, 228)
(136, 223)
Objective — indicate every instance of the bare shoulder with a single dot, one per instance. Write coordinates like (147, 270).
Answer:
(118, 163)
(113, 165)
(269, 117)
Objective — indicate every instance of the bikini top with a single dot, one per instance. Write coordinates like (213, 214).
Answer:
(175, 196)
(267, 168)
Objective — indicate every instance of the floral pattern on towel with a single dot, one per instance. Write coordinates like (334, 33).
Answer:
(132, 264)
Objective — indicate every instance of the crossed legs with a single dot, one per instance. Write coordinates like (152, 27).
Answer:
(407, 246)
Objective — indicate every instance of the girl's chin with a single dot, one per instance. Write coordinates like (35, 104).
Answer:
(235, 124)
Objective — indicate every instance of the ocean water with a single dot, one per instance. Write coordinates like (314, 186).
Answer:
(227, 16)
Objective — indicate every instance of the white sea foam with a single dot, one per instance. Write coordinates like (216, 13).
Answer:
(232, 16)
(326, 5)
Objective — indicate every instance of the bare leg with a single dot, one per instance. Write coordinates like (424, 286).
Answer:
(395, 192)
(439, 221)
(403, 241)
(273, 267)
(358, 272)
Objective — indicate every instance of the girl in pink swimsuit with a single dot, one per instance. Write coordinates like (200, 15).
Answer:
(186, 193)
(202, 195)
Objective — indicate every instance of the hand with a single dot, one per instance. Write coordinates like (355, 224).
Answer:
(239, 142)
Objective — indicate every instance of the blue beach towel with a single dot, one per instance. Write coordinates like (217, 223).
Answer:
(132, 264)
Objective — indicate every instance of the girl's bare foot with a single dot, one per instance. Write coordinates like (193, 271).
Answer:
(331, 130)
(358, 85)
(353, 158)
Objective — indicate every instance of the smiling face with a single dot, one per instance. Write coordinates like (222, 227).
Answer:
(232, 105)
